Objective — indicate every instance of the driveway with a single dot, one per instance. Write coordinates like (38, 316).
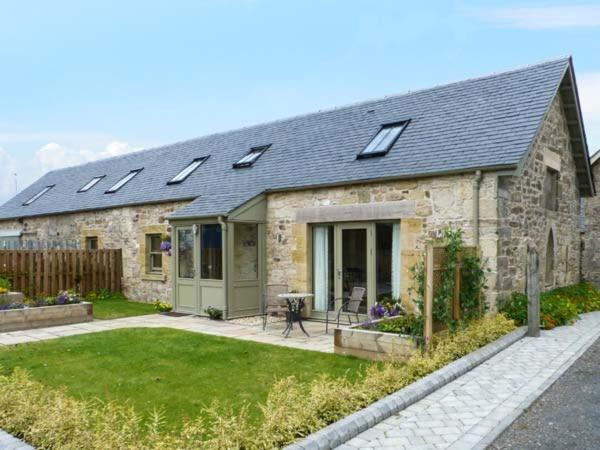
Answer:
(566, 416)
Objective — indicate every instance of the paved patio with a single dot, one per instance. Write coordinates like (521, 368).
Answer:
(250, 330)
(471, 411)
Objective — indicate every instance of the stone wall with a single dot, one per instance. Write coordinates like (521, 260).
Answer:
(525, 219)
(124, 228)
(590, 252)
(438, 202)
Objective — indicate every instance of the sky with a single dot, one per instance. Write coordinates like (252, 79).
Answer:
(81, 81)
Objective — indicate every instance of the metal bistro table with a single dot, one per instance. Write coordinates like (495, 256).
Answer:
(295, 304)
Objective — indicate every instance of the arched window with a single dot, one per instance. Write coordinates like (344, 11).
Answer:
(550, 259)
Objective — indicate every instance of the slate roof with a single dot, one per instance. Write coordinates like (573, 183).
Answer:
(482, 123)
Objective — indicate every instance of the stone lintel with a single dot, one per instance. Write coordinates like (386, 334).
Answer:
(358, 212)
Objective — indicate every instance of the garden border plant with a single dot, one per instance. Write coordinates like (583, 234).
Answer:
(49, 418)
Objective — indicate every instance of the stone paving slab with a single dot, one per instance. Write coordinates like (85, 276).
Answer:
(319, 341)
(472, 410)
(8, 442)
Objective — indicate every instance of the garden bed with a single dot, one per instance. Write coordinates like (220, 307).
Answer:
(373, 344)
(44, 316)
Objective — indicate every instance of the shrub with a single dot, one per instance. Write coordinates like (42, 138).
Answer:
(105, 295)
(214, 312)
(409, 325)
(49, 418)
(557, 307)
(162, 306)
(5, 285)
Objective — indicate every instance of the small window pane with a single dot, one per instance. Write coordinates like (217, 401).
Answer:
(155, 241)
(38, 195)
(91, 243)
(211, 252)
(251, 157)
(384, 140)
(90, 184)
(181, 176)
(245, 248)
(185, 253)
(156, 262)
(123, 181)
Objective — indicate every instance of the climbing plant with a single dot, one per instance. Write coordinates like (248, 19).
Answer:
(472, 284)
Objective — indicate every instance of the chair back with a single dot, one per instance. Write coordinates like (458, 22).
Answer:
(356, 298)
(271, 294)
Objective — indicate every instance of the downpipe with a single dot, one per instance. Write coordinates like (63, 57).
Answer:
(476, 188)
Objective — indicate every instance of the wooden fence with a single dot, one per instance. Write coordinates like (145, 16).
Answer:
(47, 272)
(435, 257)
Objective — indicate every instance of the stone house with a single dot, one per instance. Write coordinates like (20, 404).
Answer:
(590, 229)
(339, 198)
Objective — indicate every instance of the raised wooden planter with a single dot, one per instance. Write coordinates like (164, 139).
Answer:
(374, 345)
(45, 316)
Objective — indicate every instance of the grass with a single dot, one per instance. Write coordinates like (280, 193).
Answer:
(175, 370)
(117, 306)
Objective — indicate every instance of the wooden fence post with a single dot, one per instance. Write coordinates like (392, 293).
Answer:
(533, 293)
(428, 306)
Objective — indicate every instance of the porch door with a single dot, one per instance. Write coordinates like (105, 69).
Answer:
(185, 270)
(354, 261)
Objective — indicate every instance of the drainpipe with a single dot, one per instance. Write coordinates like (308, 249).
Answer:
(225, 250)
(476, 186)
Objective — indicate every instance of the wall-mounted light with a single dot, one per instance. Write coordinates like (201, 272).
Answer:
(195, 229)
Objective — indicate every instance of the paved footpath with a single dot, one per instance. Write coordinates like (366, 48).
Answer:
(471, 411)
(566, 416)
(8, 442)
(238, 329)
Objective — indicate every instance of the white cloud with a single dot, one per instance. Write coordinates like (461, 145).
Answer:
(588, 84)
(7, 175)
(54, 156)
(546, 17)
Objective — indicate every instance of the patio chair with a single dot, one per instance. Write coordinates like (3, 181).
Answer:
(274, 305)
(350, 306)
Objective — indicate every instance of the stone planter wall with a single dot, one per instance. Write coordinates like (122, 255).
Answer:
(374, 345)
(11, 297)
(45, 316)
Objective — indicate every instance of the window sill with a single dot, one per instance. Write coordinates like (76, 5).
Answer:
(154, 277)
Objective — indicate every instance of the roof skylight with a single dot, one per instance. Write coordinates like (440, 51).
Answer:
(123, 181)
(189, 169)
(383, 140)
(90, 184)
(251, 157)
(38, 195)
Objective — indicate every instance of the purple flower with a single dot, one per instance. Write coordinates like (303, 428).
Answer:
(165, 246)
(62, 299)
(378, 311)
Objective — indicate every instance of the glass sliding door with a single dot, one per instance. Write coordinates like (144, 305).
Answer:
(354, 262)
(323, 270)
(387, 260)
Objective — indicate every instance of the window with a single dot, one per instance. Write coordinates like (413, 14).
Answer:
(383, 140)
(551, 189)
(550, 260)
(245, 251)
(185, 253)
(211, 252)
(123, 181)
(181, 176)
(251, 156)
(90, 184)
(154, 255)
(38, 195)
(91, 243)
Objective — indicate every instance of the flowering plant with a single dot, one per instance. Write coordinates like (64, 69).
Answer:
(214, 312)
(162, 306)
(386, 308)
(165, 245)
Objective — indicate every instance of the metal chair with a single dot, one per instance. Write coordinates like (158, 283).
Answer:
(350, 305)
(274, 305)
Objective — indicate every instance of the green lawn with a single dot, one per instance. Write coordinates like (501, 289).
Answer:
(116, 307)
(176, 370)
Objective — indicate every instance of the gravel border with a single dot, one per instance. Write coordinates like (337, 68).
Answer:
(351, 426)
